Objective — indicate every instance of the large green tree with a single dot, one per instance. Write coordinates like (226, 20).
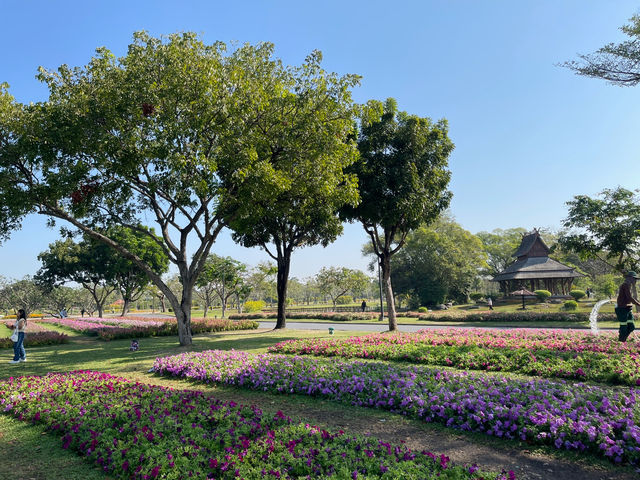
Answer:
(224, 277)
(439, 262)
(87, 263)
(403, 177)
(301, 145)
(605, 228)
(500, 245)
(616, 63)
(24, 293)
(131, 280)
(168, 133)
(337, 281)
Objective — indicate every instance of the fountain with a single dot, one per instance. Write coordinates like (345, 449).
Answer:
(593, 316)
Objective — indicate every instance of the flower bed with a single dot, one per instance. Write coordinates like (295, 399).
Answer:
(337, 317)
(82, 326)
(548, 353)
(138, 431)
(105, 329)
(38, 339)
(515, 317)
(32, 326)
(572, 417)
(37, 335)
(455, 316)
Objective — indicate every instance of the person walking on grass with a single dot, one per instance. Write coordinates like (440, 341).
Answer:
(490, 303)
(19, 354)
(624, 306)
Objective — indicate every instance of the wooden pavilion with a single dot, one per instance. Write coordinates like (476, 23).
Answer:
(534, 270)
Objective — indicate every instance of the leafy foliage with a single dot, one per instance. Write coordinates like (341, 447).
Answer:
(542, 295)
(577, 294)
(438, 262)
(500, 245)
(402, 177)
(338, 281)
(607, 228)
(619, 64)
(299, 149)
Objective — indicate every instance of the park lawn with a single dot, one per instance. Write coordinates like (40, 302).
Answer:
(114, 357)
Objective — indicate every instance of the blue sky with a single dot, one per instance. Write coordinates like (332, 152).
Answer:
(529, 134)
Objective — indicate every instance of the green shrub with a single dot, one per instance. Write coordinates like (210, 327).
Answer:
(254, 306)
(344, 300)
(542, 295)
(577, 294)
(423, 310)
(570, 305)
(475, 296)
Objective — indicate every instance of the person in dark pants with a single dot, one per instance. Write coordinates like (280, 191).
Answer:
(364, 305)
(624, 307)
(490, 303)
(19, 354)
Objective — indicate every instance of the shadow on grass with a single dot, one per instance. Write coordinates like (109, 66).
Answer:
(89, 353)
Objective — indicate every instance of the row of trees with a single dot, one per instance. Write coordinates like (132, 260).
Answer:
(225, 281)
(196, 138)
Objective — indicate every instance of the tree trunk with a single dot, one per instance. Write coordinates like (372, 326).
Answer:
(388, 291)
(284, 262)
(183, 316)
(100, 313)
(125, 307)
(182, 307)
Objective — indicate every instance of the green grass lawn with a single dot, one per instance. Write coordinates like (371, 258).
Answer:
(47, 460)
(39, 455)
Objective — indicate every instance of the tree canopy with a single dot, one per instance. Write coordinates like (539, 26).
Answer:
(402, 177)
(301, 144)
(178, 132)
(337, 281)
(619, 63)
(500, 245)
(605, 228)
(439, 262)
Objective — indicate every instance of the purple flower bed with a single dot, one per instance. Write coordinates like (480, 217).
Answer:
(139, 431)
(116, 328)
(568, 416)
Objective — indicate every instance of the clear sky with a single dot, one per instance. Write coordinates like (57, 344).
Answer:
(529, 134)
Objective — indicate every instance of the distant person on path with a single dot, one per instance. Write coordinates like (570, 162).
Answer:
(624, 308)
(82, 312)
(490, 303)
(364, 305)
(19, 354)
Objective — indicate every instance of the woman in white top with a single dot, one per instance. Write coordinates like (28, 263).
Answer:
(19, 354)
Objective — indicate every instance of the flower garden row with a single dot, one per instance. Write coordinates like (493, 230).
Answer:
(547, 353)
(568, 416)
(117, 328)
(138, 431)
(39, 335)
(459, 316)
